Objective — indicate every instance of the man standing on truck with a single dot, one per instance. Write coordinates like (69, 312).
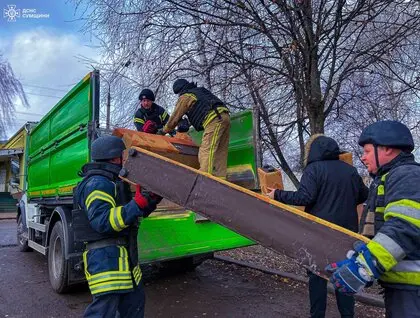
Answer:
(111, 260)
(393, 254)
(329, 189)
(207, 112)
(150, 116)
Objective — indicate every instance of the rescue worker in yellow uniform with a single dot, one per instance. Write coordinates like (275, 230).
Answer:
(205, 112)
(110, 260)
(393, 254)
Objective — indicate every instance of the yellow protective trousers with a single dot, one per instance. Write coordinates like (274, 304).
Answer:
(213, 152)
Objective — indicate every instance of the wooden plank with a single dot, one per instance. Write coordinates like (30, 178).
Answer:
(312, 241)
(179, 149)
(151, 141)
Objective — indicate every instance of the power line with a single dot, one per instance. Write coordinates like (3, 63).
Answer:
(14, 120)
(67, 85)
(44, 95)
(26, 113)
(48, 88)
(17, 122)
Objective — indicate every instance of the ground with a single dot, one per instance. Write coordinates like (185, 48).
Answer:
(214, 289)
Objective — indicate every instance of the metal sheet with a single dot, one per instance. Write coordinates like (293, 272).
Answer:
(59, 145)
(10, 152)
(313, 242)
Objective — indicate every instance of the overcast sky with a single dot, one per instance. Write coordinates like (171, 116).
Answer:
(43, 52)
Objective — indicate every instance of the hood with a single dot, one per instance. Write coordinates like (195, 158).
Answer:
(320, 147)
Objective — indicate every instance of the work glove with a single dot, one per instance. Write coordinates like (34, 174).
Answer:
(153, 198)
(160, 132)
(146, 200)
(150, 127)
(183, 125)
(359, 270)
(141, 200)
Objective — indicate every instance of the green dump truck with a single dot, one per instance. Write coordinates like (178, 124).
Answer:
(55, 150)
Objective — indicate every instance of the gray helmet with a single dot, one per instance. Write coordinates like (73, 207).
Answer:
(179, 84)
(107, 147)
(388, 133)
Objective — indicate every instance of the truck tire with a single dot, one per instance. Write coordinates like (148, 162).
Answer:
(22, 236)
(186, 264)
(57, 264)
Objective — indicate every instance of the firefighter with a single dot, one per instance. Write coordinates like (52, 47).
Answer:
(110, 259)
(150, 116)
(205, 112)
(329, 189)
(393, 255)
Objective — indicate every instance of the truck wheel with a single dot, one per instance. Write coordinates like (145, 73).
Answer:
(57, 264)
(186, 264)
(22, 236)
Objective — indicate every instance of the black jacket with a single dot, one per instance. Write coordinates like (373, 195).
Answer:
(156, 113)
(206, 102)
(330, 188)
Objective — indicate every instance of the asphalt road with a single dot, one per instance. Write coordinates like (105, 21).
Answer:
(214, 289)
(8, 233)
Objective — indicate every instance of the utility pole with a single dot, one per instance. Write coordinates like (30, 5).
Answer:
(257, 137)
(108, 107)
(114, 75)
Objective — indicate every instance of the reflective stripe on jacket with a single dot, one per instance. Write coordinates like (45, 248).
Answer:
(108, 269)
(205, 109)
(373, 215)
(157, 114)
(396, 244)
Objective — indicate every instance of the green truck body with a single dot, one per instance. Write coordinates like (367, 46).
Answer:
(59, 146)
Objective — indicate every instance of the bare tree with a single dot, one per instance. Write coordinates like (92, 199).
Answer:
(10, 92)
(307, 66)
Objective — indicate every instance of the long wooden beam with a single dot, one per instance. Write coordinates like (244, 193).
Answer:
(312, 241)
